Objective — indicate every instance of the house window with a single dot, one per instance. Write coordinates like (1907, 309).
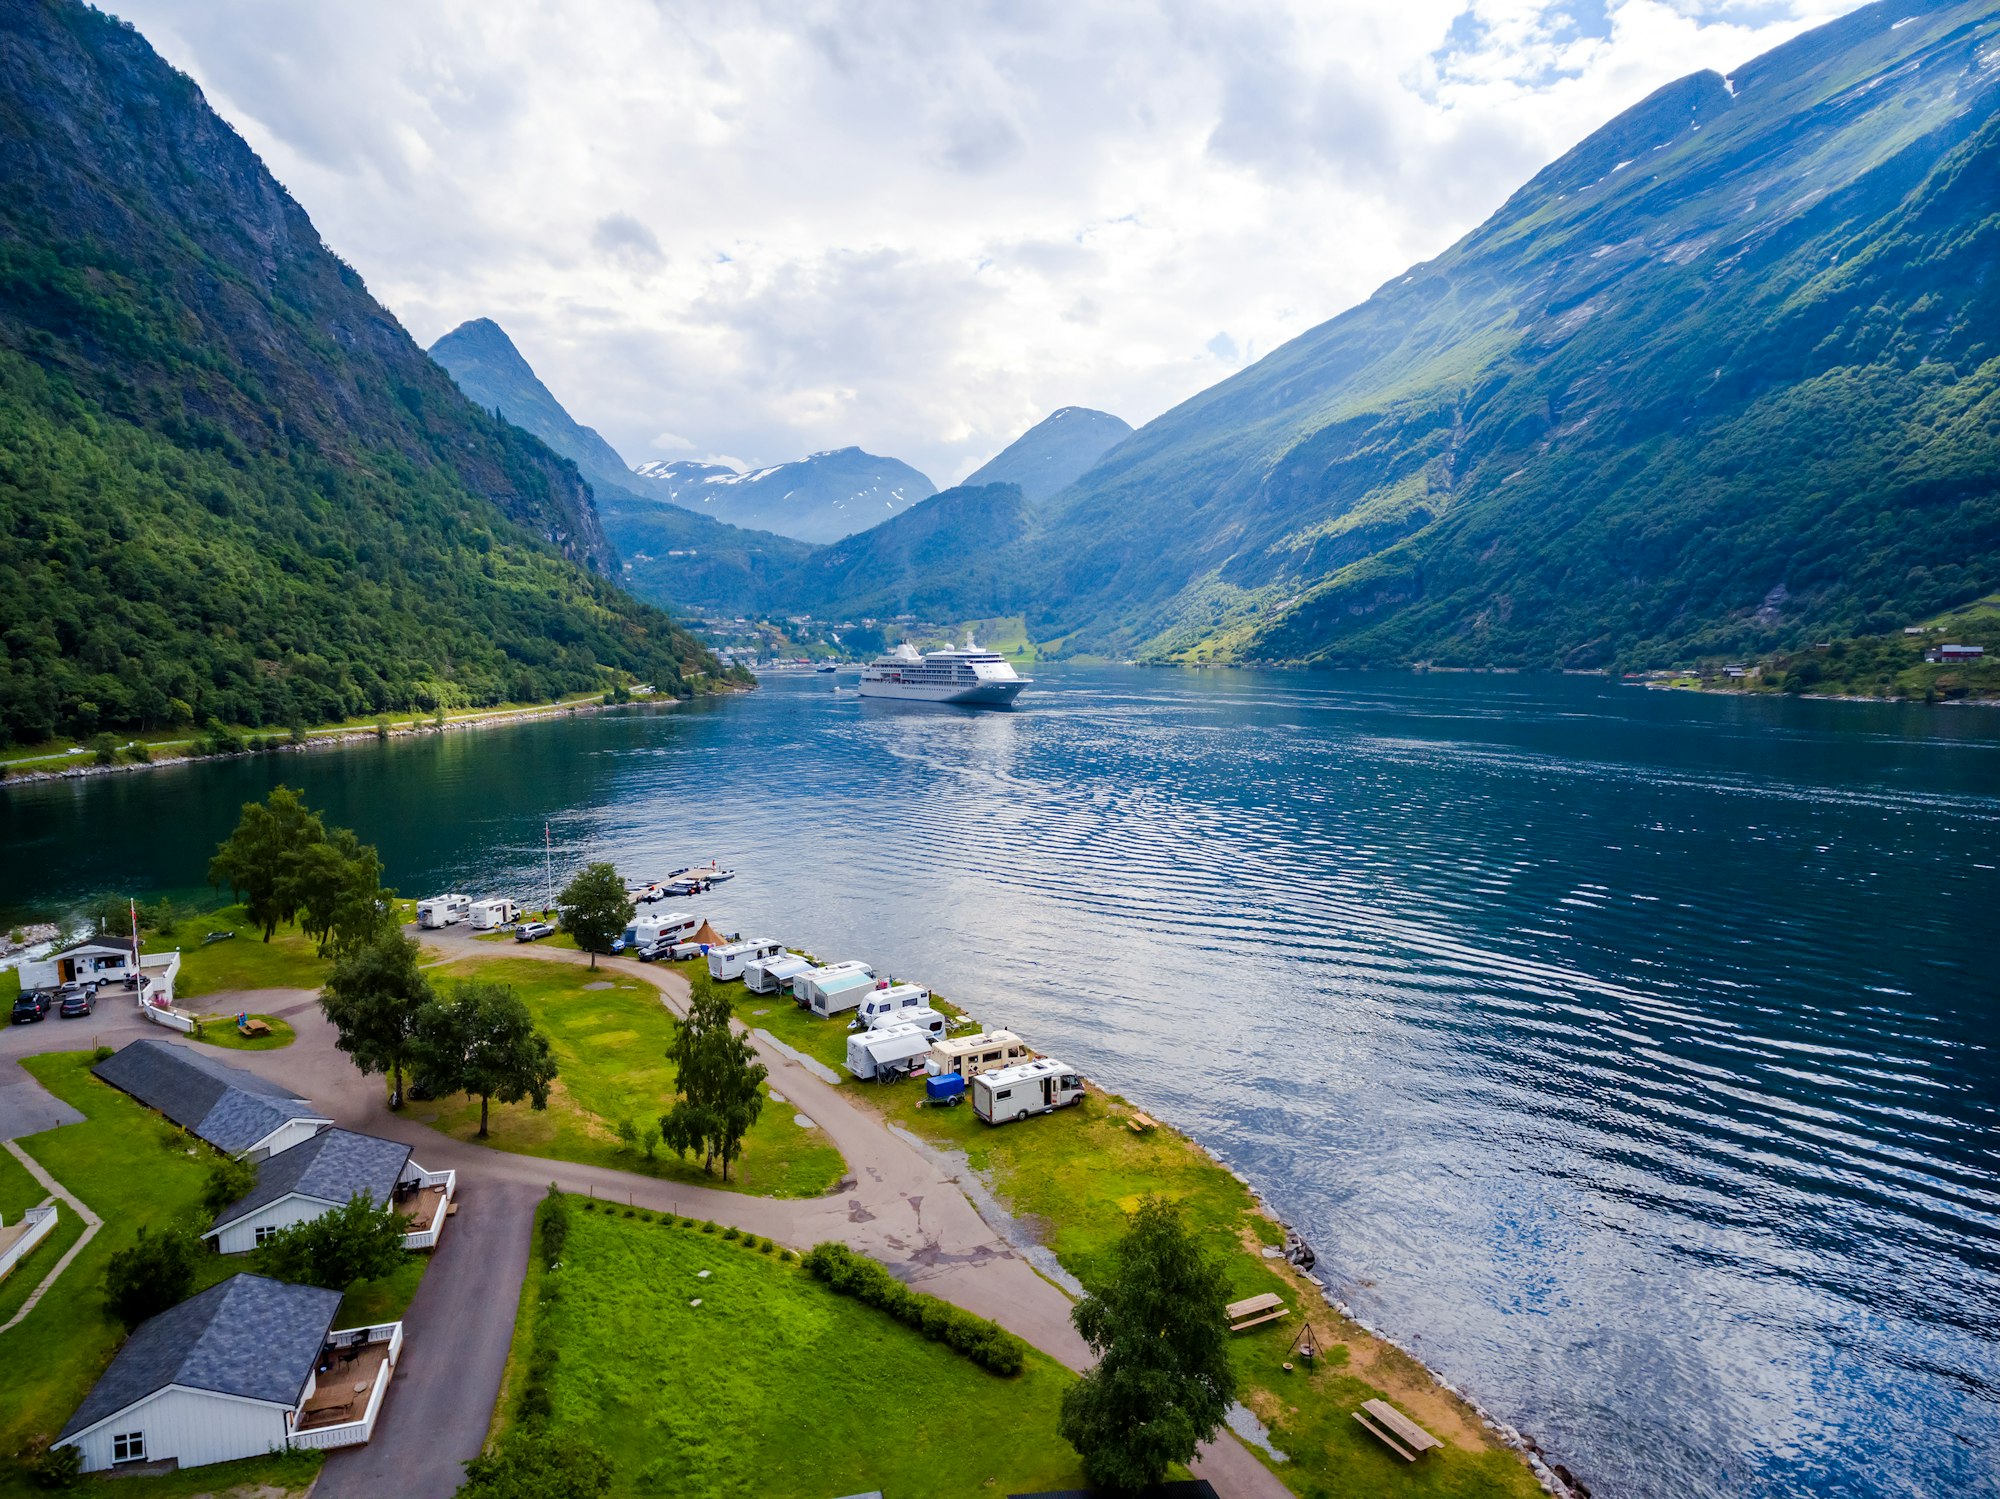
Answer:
(265, 1233)
(129, 1448)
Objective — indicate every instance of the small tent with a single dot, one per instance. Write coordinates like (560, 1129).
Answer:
(708, 936)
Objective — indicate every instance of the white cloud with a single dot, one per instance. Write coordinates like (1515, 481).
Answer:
(769, 229)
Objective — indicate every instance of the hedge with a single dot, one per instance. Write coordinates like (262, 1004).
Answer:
(986, 1343)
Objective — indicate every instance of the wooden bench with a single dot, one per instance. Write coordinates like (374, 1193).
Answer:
(1395, 1430)
(1253, 1311)
(1142, 1124)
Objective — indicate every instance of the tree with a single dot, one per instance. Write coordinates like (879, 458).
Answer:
(359, 1241)
(483, 1041)
(373, 998)
(341, 902)
(719, 1079)
(229, 1180)
(1163, 1380)
(594, 908)
(259, 861)
(539, 1465)
(155, 1273)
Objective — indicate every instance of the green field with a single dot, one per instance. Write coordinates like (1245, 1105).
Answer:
(290, 960)
(774, 1387)
(610, 1033)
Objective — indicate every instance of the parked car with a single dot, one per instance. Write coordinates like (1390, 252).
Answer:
(32, 1005)
(652, 952)
(77, 1002)
(533, 931)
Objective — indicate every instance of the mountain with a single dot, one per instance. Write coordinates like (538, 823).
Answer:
(944, 558)
(817, 499)
(1724, 377)
(232, 486)
(668, 554)
(1054, 453)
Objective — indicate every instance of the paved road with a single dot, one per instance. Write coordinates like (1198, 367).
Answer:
(895, 1205)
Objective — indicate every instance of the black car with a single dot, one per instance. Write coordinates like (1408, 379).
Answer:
(32, 1005)
(76, 1003)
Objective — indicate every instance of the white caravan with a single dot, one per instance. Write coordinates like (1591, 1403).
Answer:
(876, 1008)
(836, 996)
(443, 911)
(771, 975)
(894, 1051)
(725, 963)
(806, 985)
(929, 1021)
(1038, 1087)
(674, 926)
(969, 1056)
(491, 915)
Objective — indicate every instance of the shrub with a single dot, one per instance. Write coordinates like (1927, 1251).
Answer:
(103, 748)
(155, 1273)
(359, 1241)
(590, 1204)
(628, 1135)
(138, 754)
(985, 1343)
(554, 1228)
(707, 1227)
(103, 1054)
(53, 1468)
(729, 1232)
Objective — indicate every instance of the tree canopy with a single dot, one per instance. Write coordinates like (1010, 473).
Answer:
(155, 1272)
(719, 1080)
(373, 998)
(284, 865)
(594, 909)
(481, 1039)
(360, 1240)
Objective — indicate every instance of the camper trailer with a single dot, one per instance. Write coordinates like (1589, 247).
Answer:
(491, 915)
(725, 963)
(1038, 1087)
(646, 931)
(773, 975)
(887, 999)
(836, 996)
(806, 985)
(443, 910)
(969, 1056)
(929, 1021)
(892, 1052)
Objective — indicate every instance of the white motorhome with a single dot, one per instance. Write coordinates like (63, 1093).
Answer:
(929, 1021)
(674, 926)
(836, 996)
(1038, 1087)
(806, 985)
(725, 963)
(969, 1056)
(490, 915)
(877, 1007)
(771, 975)
(894, 1051)
(443, 911)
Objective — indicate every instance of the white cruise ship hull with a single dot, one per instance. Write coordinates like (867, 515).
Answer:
(975, 695)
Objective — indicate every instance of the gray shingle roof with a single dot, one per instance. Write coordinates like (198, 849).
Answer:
(229, 1108)
(332, 1166)
(250, 1336)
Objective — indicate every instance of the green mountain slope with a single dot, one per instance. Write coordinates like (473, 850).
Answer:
(667, 553)
(1725, 376)
(233, 487)
(947, 557)
(1054, 453)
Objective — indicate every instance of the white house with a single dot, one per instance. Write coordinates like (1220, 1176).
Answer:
(247, 1367)
(107, 960)
(327, 1172)
(235, 1111)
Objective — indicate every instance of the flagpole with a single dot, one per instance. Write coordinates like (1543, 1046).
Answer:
(549, 855)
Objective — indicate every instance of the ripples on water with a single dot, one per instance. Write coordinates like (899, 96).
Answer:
(1628, 1055)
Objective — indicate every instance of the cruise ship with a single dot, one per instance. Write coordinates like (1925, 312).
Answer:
(966, 675)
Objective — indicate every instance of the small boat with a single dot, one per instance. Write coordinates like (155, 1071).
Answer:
(828, 670)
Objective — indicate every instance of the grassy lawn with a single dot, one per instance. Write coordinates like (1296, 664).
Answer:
(18, 1192)
(220, 1030)
(824, 1040)
(774, 1386)
(610, 1033)
(1075, 1175)
(290, 960)
(384, 1300)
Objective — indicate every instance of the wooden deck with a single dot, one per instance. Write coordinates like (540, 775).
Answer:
(422, 1209)
(342, 1390)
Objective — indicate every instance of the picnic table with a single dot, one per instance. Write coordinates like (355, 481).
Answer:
(249, 1025)
(1252, 1311)
(1402, 1435)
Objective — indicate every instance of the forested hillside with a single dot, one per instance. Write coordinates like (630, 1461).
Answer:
(233, 487)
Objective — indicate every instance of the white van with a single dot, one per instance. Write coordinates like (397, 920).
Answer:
(885, 1001)
(969, 1056)
(491, 915)
(1038, 1087)
(806, 985)
(443, 910)
(725, 963)
(892, 1052)
(772, 975)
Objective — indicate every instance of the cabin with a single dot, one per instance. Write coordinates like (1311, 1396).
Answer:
(806, 986)
(327, 1172)
(729, 961)
(1038, 1087)
(246, 1367)
(968, 1056)
(237, 1112)
(892, 1051)
(1955, 655)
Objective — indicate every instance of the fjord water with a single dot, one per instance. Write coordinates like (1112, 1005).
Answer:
(1628, 1055)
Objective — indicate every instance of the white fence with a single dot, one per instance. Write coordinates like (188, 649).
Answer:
(354, 1433)
(175, 1020)
(41, 1223)
(428, 1238)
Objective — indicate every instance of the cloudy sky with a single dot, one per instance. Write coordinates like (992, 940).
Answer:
(749, 230)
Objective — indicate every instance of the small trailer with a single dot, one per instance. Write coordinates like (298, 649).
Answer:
(836, 996)
(1038, 1087)
(491, 915)
(886, 1001)
(806, 985)
(726, 963)
(892, 1052)
(944, 1091)
(968, 1056)
(774, 975)
(443, 911)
